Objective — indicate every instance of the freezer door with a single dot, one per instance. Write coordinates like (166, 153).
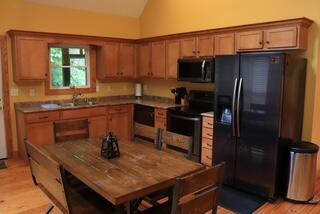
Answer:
(258, 128)
(226, 81)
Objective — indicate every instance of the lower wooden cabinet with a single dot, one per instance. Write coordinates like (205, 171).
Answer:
(40, 134)
(97, 126)
(120, 121)
(207, 141)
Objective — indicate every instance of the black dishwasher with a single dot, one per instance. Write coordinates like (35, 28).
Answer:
(143, 115)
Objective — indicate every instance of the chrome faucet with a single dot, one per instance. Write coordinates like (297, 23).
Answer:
(75, 97)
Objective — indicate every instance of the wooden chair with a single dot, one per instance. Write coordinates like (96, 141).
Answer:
(71, 130)
(195, 194)
(52, 180)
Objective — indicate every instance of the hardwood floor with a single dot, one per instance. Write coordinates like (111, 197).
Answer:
(19, 195)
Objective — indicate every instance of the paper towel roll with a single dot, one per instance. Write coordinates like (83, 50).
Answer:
(138, 90)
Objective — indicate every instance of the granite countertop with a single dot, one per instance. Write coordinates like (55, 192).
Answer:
(157, 102)
(208, 114)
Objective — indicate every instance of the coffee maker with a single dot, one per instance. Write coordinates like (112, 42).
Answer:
(179, 93)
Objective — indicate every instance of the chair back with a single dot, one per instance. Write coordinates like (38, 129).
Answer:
(198, 193)
(71, 130)
(48, 175)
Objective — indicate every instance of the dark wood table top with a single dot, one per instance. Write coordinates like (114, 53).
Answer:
(140, 170)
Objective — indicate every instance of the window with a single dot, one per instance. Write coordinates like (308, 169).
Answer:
(69, 67)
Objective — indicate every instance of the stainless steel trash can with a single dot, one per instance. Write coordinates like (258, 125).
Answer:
(302, 171)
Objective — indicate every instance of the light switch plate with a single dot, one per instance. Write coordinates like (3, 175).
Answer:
(97, 88)
(109, 88)
(14, 92)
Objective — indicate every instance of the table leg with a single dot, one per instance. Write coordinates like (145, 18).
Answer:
(128, 208)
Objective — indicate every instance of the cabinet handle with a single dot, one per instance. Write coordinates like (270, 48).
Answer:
(41, 118)
(209, 134)
(209, 145)
(210, 124)
(208, 157)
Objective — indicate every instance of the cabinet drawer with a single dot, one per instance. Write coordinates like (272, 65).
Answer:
(42, 117)
(206, 156)
(207, 133)
(118, 109)
(207, 143)
(160, 113)
(83, 113)
(207, 122)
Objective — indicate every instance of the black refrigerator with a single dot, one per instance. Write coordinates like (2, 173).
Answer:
(259, 100)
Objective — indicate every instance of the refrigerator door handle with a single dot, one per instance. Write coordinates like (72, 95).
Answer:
(238, 108)
(233, 107)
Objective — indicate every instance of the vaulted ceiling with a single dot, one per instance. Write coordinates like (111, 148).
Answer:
(129, 8)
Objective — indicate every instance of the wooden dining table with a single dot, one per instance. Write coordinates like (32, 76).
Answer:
(140, 170)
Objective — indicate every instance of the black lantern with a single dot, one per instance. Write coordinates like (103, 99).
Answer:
(110, 147)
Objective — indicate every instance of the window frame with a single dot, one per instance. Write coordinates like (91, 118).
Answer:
(91, 67)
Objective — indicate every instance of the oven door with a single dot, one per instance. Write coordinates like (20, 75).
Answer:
(188, 126)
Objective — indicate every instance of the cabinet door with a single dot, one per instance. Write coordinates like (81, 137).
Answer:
(172, 56)
(188, 47)
(127, 60)
(119, 125)
(144, 60)
(31, 59)
(111, 52)
(158, 59)
(285, 37)
(224, 44)
(249, 40)
(97, 126)
(205, 46)
(40, 133)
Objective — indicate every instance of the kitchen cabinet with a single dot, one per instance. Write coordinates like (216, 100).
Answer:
(36, 127)
(97, 126)
(108, 61)
(207, 141)
(30, 58)
(276, 38)
(120, 121)
(172, 56)
(127, 60)
(224, 44)
(144, 60)
(158, 59)
(160, 118)
(200, 46)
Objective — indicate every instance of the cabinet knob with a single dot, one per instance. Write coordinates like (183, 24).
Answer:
(194, 52)
(267, 42)
(260, 43)
(198, 52)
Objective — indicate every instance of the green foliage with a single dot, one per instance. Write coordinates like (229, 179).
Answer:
(77, 66)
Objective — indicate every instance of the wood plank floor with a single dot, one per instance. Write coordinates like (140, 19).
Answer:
(19, 195)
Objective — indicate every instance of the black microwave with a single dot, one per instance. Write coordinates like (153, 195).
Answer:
(196, 70)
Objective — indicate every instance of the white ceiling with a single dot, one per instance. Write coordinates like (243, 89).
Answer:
(129, 8)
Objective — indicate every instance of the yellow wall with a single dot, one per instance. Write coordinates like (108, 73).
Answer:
(168, 17)
(22, 15)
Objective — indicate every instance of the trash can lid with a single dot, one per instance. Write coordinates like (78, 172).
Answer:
(304, 147)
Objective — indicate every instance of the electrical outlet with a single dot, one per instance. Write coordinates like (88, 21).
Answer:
(14, 92)
(109, 88)
(97, 88)
(32, 92)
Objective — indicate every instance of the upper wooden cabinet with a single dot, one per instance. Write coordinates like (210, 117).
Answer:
(108, 60)
(172, 56)
(273, 38)
(30, 58)
(158, 59)
(199, 46)
(224, 44)
(144, 60)
(127, 60)
(249, 40)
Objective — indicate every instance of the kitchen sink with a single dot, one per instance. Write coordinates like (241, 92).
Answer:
(77, 104)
